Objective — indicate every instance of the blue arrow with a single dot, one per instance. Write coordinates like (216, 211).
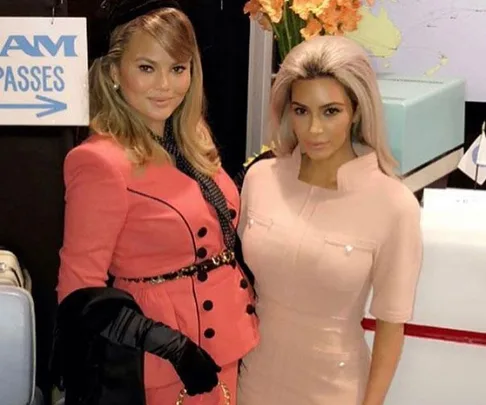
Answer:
(49, 106)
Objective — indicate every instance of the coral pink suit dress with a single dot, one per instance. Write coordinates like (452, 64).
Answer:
(132, 223)
(316, 254)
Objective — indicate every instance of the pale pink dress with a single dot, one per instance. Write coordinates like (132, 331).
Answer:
(316, 254)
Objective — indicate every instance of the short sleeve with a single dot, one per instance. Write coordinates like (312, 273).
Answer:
(95, 211)
(397, 266)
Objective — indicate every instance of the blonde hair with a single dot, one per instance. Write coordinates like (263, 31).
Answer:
(113, 116)
(344, 60)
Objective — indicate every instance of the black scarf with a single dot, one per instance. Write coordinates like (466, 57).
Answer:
(210, 190)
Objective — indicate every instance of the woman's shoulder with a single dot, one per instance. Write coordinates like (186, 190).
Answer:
(102, 145)
(397, 197)
(254, 166)
(101, 154)
(99, 150)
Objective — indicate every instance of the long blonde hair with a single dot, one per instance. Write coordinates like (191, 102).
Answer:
(344, 60)
(113, 116)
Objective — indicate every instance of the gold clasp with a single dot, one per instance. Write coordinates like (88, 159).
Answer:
(228, 256)
(224, 389)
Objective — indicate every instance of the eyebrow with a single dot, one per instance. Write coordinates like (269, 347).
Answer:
(322, 106)
(153, 62)
(143, 59)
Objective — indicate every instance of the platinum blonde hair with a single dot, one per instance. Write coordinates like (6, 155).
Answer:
(344, 60)
(111, 115)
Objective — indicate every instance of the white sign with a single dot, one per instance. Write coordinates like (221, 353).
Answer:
(43, 71)
(481, 157)
(471, 162)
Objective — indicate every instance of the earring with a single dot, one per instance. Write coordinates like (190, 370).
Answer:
(116, 86)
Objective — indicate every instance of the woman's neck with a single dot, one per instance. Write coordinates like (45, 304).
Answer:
(323, 173)
(157, 128)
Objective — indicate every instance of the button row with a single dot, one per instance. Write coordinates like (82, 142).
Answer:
(202, 252)
(208, 306)
(202, 276)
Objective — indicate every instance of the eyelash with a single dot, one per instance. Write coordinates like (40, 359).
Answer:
(146, 68)
(179, 69)
(149, 69)
(334, 111)
(299, 111)
(329, 111)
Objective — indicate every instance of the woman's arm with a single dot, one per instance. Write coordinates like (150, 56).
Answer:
(387, 348)
(394, 278)
(96, 209)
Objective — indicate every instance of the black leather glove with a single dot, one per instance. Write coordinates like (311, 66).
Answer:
(195, 367)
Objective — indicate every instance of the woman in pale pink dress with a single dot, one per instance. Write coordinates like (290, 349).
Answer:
(322, 225)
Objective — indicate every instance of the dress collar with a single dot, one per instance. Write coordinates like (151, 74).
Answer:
(352, 175)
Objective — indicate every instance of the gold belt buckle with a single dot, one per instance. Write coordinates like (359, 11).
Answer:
(216, 260)
(227, 256)
(224, 390)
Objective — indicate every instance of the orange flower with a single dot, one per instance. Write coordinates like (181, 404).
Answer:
(303, 8)
(341, 16)
(327, 17)
(273, 8)
(313, 28)
(252, 7)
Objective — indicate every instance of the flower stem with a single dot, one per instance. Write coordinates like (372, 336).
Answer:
(279, 40)
(297, 25)
(286, 25)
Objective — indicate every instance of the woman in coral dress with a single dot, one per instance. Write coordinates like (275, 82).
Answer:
(148, 202)
(323, 223)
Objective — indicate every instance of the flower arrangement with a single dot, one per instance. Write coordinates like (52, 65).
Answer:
(293, 21)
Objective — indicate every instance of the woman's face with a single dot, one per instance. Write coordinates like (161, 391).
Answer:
(322, 116)
(151, 81)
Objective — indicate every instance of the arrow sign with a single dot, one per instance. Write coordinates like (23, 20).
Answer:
(44, 71)
(48, 106)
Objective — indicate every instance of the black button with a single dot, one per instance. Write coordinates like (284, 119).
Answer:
(209, 333)
(243, 284)
(208, 305)
(202, 276)
(250, 309)
(202, 232)
(232, 213)
(202, 253)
